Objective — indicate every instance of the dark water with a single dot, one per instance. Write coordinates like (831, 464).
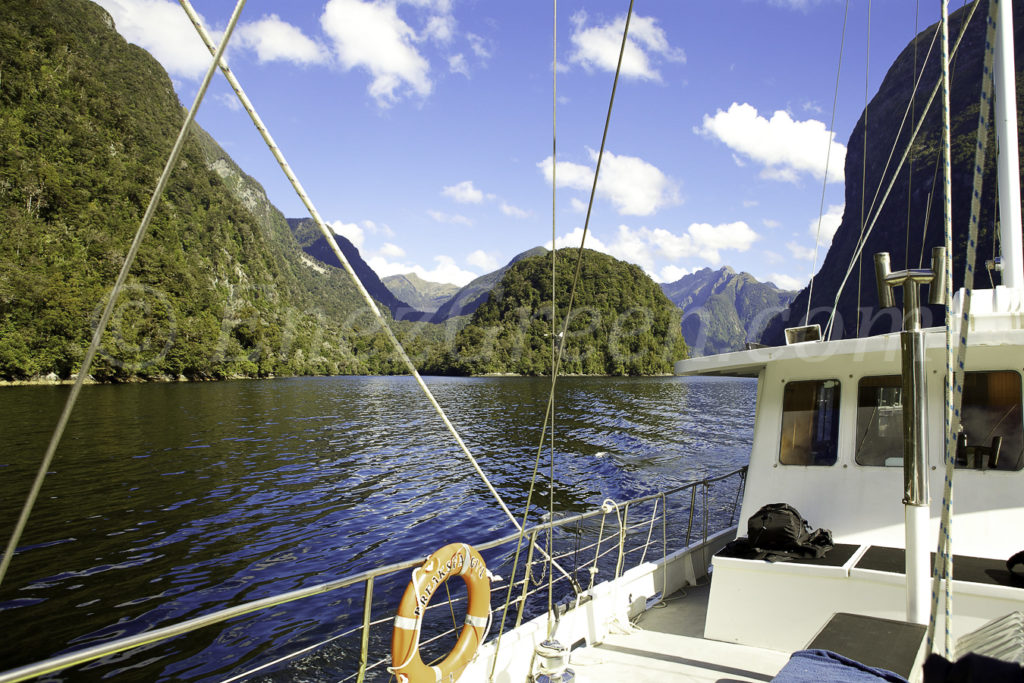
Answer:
(169, 501)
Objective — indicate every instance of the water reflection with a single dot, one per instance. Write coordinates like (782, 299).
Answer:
(169, 501)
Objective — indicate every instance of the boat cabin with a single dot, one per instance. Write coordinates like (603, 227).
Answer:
(828, 440)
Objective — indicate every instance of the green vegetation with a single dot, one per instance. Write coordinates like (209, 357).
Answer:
(221, 287)
(621, 323)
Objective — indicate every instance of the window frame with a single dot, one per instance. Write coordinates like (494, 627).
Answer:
(789, 449)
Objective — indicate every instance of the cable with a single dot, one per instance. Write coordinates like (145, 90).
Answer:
(97, 336)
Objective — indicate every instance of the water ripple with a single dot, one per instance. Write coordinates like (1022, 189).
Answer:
(169, 501)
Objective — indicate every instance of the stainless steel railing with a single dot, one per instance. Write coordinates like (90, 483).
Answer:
(609, 552)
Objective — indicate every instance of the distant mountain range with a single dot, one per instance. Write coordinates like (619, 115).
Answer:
(421, 294)
(723, 309)
(469, 298)
(312, 241)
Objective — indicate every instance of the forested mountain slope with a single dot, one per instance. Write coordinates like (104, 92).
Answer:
(86, 122)
(621, 322)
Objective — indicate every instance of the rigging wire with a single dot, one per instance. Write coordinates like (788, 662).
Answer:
(554, 308)
(548, 416)
(828, 157)
(953, 384)
(864, 166)
(308, 203)
(328, 235)
(910, 162)
(108, 310)
(892, 181)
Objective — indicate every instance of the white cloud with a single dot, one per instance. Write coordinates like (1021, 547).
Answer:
(277, 40)
(794, 4)
(572, 240)
(478, 45)
(634, 186)
(704, 240)
(672, 273)
(371, 36)
(799, 251)
(597, 47)
(229, 100)
(161, 28)
(375, 229)
(455, 219)
(770, 223)
(350, 231)
(482, 260)
(457, 65)
(645, 247)
(829, 224)
(785, 148)
(578, 205)
(513, 211)
(786, 282)
(444, 270)
(391, 250)
(439, 6)
(440, 28)
(464, 193)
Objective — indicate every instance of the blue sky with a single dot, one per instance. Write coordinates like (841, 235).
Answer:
(422, 129)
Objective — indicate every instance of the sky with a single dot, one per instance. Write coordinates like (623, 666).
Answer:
(424, 130)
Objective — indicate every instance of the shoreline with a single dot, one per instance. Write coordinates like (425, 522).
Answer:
(54, 381)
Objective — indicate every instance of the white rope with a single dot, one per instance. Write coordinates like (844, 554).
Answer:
(954, 388)
(97, 336)
(948, 418)
(328, 235)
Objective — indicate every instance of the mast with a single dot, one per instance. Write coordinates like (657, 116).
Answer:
(1008, 161)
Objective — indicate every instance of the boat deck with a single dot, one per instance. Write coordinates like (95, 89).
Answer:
(667, 643)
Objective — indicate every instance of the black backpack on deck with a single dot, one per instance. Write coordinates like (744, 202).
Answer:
(777, 532)
(777, 526)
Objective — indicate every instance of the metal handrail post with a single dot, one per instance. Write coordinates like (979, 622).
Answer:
(689, 520)
(623, 525)
(364, 646)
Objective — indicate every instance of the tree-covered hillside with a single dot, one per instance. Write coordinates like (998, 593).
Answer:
(621, 322)
(86, 122)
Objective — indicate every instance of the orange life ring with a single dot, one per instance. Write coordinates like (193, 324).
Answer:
(454, 559)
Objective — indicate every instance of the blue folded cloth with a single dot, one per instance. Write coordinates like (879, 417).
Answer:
(825, 666)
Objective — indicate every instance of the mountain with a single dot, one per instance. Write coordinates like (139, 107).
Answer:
(312, 241)
(219, 289)
(621, 322)
(469, 298)
(419, 293)
(911, 222)
(723, 309)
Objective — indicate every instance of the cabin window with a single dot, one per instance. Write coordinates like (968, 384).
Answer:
(880, 421)
(810, 423)
(991, 407)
